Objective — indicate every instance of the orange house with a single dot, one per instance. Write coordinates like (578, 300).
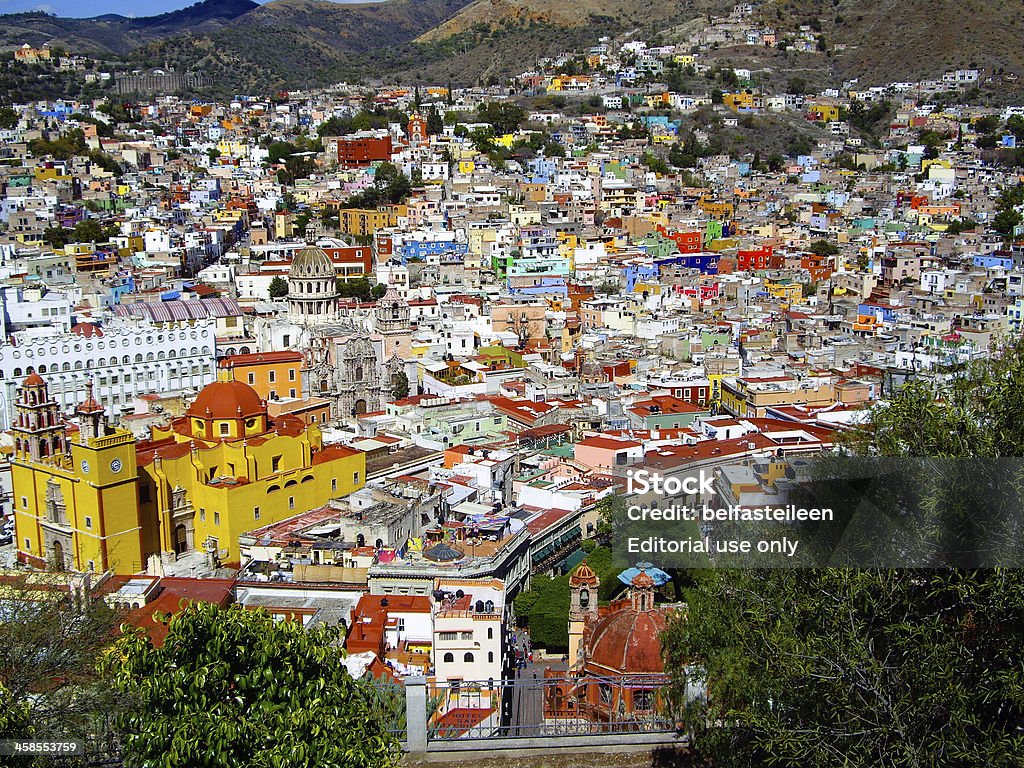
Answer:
(272, 374)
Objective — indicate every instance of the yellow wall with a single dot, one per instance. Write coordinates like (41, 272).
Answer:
(101, 505)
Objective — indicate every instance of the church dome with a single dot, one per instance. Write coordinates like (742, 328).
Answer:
(628, 641)
(311, 262)
(226, 400)
(583, 576)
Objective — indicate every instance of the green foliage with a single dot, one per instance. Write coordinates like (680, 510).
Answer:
(389, 186)
(504, 116)
(400, 385)
(1006, 221)
(824, 248)
(361, 289)
(435, 123)
(63, 147)
(8, 118)
(878, 667)
(655, 163)
(15, 716)
(233, 688)
(297, 164)
(278, 287)
(869, 667)
(1015, 125)
(49, 643)
(545, 606)
(106, 162)
(361, 121)
(85, 231)
(987, 124)
(959, 226)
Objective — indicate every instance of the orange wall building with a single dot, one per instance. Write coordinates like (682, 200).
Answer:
(272, 374)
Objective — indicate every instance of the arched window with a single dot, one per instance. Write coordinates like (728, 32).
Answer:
(138, 358)
(273, 488)
(42, 369)
(149, 357)
(17, 371)
(65, 366)
(490, 657)
(449, 658)
(468, 658)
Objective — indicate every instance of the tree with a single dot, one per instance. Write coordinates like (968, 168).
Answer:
(232, 687)
(400, 385)
(389, 186)
(824, 248)
(504, 116)
(49, 642)
(278, 287)
(8, 118)
(435, 123)
(870, 667)
(1006, 221)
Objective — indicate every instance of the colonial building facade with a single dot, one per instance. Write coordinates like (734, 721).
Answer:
(97, 499)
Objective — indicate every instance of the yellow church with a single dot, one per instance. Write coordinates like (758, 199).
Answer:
(98, 499)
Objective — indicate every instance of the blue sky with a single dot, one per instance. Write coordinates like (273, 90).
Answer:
(86, 8)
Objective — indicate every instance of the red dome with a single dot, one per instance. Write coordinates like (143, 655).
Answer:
(226, 400)
(628, 641)
(33, 380)
(583, 576)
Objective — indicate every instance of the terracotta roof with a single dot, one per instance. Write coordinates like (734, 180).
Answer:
(227, 400)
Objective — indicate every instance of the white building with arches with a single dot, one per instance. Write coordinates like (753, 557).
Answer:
(123, 358)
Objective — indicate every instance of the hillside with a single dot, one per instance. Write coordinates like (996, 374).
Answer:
(289, 44)
(112, 34)
(893, 40)
(301, 43)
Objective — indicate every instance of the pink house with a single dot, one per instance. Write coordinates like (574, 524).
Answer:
(604, 453)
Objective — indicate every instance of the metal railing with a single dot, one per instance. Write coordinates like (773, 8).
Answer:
(535, 706)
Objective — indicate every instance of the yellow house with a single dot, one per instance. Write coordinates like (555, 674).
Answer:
(466, 166)
(231, 148)
(827, 113)
(58, 172)
(739, 100)
(784, 290)
(716, 210)
(365, 221)
(101, 500)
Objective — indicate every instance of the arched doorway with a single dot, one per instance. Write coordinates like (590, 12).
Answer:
(58, 556)
(360, 407)
(180, 540)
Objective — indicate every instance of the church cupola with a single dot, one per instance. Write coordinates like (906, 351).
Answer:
(312, 287)
(92, 417)
(583, 585)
